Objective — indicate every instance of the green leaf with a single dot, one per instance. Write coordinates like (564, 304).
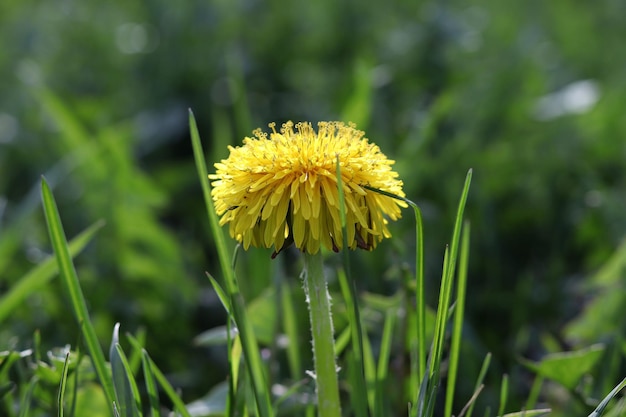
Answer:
(567, 368)
(72, 287)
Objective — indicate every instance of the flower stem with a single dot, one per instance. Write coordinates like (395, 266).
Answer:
(322, 334)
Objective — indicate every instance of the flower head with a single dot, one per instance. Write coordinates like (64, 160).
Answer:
(282, 187)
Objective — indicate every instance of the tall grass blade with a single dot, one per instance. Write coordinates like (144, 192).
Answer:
(420, 301)
(73, 290)
(248, 339)
(455, 344)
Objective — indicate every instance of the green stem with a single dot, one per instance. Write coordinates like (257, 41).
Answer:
(322, 334)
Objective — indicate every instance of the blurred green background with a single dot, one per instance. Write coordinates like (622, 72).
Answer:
(530, 94)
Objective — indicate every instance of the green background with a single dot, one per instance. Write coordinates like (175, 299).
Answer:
(530, 94)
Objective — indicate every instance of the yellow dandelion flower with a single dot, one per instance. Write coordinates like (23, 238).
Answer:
(283, 188)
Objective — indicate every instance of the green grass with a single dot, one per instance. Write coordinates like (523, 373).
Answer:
(422, 327)
(365, 380)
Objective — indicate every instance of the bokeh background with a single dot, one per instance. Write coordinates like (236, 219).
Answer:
(530, 94)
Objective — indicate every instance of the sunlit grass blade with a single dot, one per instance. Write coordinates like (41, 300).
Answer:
(600, 408)
(42, 273)
(455, 344)
(62, 385)
(151, 388)
(126, 392)
(74, 292)
(248, 339)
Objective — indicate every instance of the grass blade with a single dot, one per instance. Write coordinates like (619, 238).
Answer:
(504, 392)
(422, 354)
(248, 339)
(455, 344)
(73, 290)
(600, 408)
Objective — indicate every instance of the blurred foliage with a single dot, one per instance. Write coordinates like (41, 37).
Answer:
(529, 94)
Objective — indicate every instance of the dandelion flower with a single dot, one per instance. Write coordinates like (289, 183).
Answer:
(282, 188)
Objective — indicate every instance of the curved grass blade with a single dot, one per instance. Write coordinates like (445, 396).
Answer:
(600, 408)
(504, 392)
(455, 344)
(420, 302)
(71, 285)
